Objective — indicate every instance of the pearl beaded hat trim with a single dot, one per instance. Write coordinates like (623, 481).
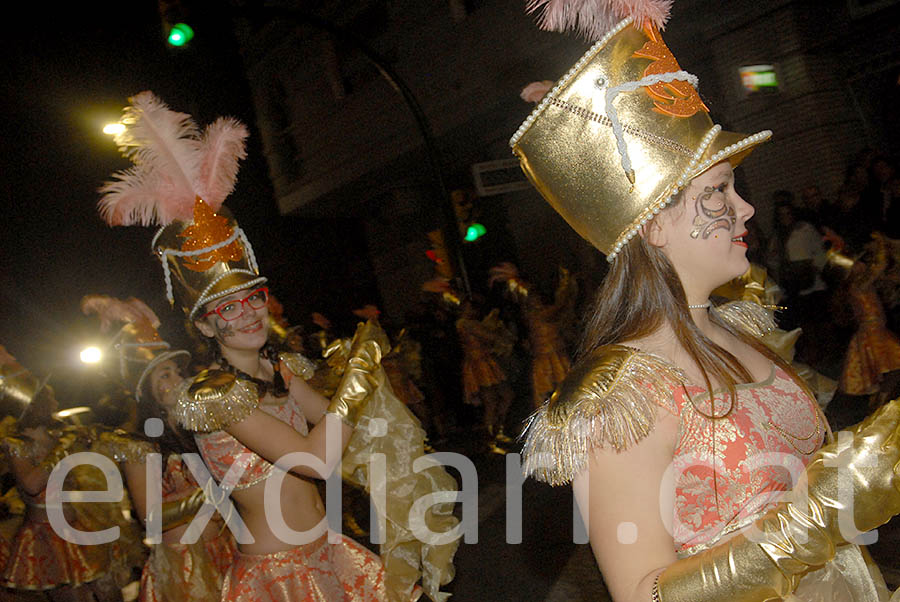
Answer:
(198, 287)
(694, 169)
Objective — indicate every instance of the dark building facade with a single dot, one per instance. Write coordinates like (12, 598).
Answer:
(342, 143)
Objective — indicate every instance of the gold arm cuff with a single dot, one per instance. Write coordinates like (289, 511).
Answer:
(64, 444)
(737, 570)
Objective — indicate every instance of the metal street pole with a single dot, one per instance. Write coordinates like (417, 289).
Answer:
(448, 217)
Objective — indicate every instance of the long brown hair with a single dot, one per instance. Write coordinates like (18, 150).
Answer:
(641, 293)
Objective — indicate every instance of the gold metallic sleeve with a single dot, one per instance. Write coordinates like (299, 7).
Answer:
(65, 442)
(120, 446)
(856, 477)
(370, 344)
(747, 316)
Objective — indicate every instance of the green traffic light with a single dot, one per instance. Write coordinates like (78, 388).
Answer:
(474, 232)
(180, 34)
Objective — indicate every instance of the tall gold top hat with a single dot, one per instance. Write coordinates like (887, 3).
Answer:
(180, 179)
(621, 134)
(138, 346)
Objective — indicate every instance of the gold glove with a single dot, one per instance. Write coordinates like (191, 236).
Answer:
(177, 513)
(369, 345)
(855, 479)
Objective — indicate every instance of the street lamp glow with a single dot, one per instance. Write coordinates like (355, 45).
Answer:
(91, 355)
(113, 129)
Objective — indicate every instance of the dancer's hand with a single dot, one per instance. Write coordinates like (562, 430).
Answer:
(361, 376)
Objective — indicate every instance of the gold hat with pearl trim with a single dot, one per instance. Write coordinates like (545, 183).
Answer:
(180, 178)
(138, 347)
(205, 259)
(620, 135)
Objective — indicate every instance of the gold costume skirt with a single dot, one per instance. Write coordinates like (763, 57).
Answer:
(479, 373)
(873, 351)
(314, 572)
(187, 571)
(40, 559)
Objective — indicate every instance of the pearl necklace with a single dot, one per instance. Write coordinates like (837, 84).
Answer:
(700, 305)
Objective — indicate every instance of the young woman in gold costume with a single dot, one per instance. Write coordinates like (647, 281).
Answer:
(252, 411)
(699, 460)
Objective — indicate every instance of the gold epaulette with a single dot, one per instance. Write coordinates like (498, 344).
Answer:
(214, 399)
(298, 364)
(121, 446)
(609, 399)
(750, 317)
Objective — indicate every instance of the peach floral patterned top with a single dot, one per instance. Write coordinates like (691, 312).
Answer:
(177, 479)
(220, 450)
(732, 468)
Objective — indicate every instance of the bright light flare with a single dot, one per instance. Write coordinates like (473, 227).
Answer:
(180, 34)
(91, 355)
(113, 129)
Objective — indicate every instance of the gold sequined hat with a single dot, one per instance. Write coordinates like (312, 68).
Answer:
(137, 345)
(206, 258)
(179, 181)
(620, 135)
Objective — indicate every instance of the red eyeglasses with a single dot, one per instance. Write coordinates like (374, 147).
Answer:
(234, 309)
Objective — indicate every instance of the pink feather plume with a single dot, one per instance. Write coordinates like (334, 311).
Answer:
(109, 310)
(223, 148)
(173, 165)
(144, 311)
(593, 18)
(535, 91)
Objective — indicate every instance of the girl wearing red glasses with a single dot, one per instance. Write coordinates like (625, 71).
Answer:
(252, 406)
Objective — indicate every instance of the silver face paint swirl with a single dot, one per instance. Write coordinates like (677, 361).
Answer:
(712, 213)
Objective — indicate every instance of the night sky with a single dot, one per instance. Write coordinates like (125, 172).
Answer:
(70, 71)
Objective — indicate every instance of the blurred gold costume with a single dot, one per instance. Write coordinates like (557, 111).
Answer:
(874, 350)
